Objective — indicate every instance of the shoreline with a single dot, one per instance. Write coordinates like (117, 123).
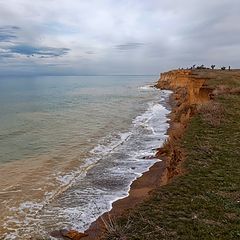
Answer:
(140, 188)
(203, 200)
(139, 191)
(145, 108)
(188, 90)
(195, 95)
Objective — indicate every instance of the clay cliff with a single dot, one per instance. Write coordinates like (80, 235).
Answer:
(192, 81)
(189, 91)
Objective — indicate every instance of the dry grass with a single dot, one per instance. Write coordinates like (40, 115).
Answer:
(212, 113)
(235, 90)
(114, 230)
(223, 89)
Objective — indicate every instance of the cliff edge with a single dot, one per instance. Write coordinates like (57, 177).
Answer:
(199, 193)
(194, 193)
(190, 90)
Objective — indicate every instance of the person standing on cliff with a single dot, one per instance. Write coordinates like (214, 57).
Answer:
(229, 68)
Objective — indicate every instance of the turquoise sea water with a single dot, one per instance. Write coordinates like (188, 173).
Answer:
(38, 115)
(70, 146)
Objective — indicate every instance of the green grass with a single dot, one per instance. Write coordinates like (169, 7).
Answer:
(204, 203)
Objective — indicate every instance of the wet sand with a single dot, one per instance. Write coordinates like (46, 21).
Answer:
(25, 182)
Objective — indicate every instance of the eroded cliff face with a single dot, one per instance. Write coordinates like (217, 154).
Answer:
(189, 90)
(190, 80)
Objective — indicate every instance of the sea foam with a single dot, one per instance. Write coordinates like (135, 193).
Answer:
(86, 193)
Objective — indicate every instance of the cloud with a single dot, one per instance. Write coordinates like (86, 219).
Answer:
(8, 33)
(129, 46)
(29, 50)
(108, 36)
(10, 36)
(90, 52)
(6, 55)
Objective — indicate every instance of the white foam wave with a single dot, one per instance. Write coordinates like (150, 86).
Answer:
(124, 157)
(115, 142)
(147, 88)
(154, 120)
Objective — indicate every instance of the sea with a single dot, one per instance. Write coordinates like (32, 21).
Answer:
(72, 145)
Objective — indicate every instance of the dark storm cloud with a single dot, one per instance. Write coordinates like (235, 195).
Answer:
(28, 50)
(129, 46)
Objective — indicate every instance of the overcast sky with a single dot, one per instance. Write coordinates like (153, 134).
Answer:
(116, 36)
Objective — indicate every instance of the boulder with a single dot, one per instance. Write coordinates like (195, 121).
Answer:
(68, 234)
(73, 234)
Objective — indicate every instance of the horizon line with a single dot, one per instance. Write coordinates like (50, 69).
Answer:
(73, 75)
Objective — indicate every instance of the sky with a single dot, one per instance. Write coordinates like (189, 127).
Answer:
(98, 37)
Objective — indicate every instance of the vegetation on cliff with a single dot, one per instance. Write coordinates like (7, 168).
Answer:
(203, 200)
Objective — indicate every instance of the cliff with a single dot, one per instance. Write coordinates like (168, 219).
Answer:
(190, 90)
(192, 81)
(204, 201)
(204, 143)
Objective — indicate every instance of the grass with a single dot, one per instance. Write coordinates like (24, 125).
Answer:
(212, 113)
(204, 203)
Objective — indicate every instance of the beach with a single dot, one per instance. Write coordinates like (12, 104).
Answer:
(160, 161)
(190, 88)
(119, 120)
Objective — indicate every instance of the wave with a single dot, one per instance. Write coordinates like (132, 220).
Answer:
(147, 87)
(84, 194)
